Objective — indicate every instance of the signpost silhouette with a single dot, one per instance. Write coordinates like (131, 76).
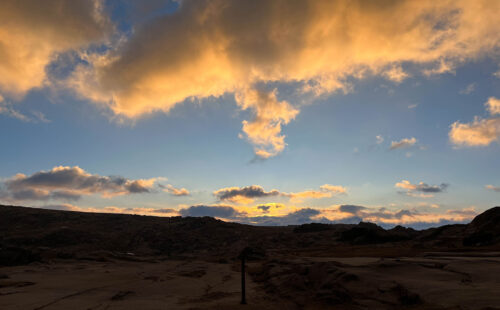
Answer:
(246, 251)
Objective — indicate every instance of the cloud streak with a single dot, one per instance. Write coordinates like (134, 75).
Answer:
(403, 143)
(173, 190)
(35, 117)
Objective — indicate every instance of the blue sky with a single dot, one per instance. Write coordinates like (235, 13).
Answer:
(128, 104)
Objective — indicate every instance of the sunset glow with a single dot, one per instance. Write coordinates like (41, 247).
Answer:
(259, 112)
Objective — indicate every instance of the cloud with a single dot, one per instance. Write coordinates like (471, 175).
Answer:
(210, 48)
(70, 183)
(244, 194)
(493, 105)
(174, 191)
(351, 214)
(301, 216)
(395, 74)
(264, 131)
(403, 143)
(351, 209)
(493, 188)
(226, 212)
(421, 189)
(442, 67)
(33, 33)
(480, 132)
(380, 139)
(347, 214)
(35, 117)
(468, 89)
(248, 194)
(325, 191)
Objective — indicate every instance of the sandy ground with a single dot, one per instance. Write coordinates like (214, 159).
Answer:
(441, 282)
(125, 285)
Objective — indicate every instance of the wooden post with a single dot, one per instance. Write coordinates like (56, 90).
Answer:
(243, 293)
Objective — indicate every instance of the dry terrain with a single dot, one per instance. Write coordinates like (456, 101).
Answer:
(70, 260)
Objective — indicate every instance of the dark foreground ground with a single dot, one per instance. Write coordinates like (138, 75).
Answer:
(71, 260)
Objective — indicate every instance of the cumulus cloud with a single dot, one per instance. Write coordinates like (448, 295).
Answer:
(480, 132)
(32, 33)
(493, 105)
(70, 183)
(264, 131)
(244, 194)
(403, 143)
(421, 189)
(248, 194)
(209, 48)
(493, 188)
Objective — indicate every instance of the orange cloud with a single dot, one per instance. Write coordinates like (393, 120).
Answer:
(396, 74)
(209, 48)
(175, 191)
(493, 105)
(326, 191)
(32, 33)
(264, 131)
(481, 132)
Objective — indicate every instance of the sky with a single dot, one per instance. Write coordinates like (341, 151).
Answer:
(259, 112)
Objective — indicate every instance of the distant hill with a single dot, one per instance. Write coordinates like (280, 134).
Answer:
(30, 234)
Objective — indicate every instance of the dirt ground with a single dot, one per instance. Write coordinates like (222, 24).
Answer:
(432, 281)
